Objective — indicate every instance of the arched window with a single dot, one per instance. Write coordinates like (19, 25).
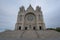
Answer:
(20, 18)
(25, 28)
(19, 27)
(39, 17)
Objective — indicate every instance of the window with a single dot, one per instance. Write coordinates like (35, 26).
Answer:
(19, 27)
(20, 17)
(39, 17)
(30, 17)
(25, 28)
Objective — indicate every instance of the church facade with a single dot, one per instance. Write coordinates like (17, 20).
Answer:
(30, 19)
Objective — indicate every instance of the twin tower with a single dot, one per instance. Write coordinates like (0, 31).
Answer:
(30, 19)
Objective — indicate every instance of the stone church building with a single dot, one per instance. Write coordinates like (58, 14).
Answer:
(29, 26)
(30, 19)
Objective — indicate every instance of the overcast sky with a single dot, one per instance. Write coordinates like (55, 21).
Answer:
(9, 11)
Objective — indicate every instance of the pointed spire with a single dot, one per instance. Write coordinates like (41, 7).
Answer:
(30, 7)
(22, 9)
(38, 8)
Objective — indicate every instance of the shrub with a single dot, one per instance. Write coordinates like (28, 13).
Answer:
(50, 29)
(58, 29)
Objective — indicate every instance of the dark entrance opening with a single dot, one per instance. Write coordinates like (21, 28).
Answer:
(34, 28)
(19, 27)
(40, 27)
(25, 28)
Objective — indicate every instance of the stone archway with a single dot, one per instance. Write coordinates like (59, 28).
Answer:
(34, 28)
(25, 28)
(40, 27)
(19, 27)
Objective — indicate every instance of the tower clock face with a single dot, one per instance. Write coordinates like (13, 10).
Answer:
(30, 17)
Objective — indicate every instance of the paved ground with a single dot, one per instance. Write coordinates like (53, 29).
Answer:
(30, 35)
(28, 39)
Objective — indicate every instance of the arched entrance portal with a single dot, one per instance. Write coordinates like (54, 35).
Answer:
(34, 28)
(25, 28)
(19, 27)
(40, 27)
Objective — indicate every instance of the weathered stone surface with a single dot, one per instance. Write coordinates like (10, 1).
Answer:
(30, 18)
(30, 34)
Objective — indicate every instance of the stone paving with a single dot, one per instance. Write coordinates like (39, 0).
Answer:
(30, 35)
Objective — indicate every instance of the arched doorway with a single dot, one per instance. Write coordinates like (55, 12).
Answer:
(40, 27)
(19, 27)
(34, 28)
(25, 28)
